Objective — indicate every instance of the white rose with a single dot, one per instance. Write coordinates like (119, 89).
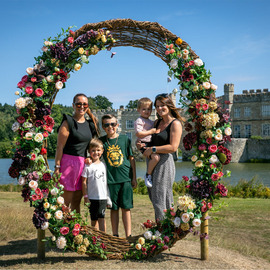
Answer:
(153, 237)
(38, 137)
(188, 102)
(185, 56)
(28, 101)
(213, 159)
(214, 87)
(206, 85)
(30, 71)
(48, 43)
(138, 246)
(174, 63)
(218, 137)
(15, 126)
(45, 225)
(85, 59)
(61, 242)
(198, 163)
(194, 158)
(47, 215)
(46, 205)
(148, 235)
(185, 217)
(177, 222)
(184, 93)
(20, 103)
(53, 207)
(196, 222)
(27, 125)
(49, 78)
(59, 85)
(33, 184)
(185, 52)
(44, 49)
(17, 93)
(228, 131)
(60, 200)
(53, 238)
(157, 233)
(28, 136)
(191, 215)
(58, 214)
(54, 191)
(21, 181)
(198, 62)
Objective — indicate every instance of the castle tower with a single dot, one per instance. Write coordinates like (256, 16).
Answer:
(228, 95)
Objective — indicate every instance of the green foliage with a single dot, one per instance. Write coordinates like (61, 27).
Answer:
(132, 104)
(101, 102)
(6, 149)
(255, 137)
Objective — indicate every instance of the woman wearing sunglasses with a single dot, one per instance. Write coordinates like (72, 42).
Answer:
(165, 142)
(74, 135)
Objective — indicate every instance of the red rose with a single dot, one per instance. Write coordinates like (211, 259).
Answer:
(21, 119)
(33, 156)
(43, 151)
(25, 78)
(29, 90)
(212, 148)
(209, 205)
(70, 39)
(64, 230)
(39, 92)
(45, 134)
(21, 84)
(204, 208)
(214, 177)
(38, 191)
(33, 79)
(205, 107)
(34, 197)
(185, 178)
(49, 120)
(77, 226)
(47, 177)
(75, 232)
(40, 196)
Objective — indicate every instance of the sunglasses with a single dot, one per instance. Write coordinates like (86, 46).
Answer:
(79, 105)
(164, 95)
(106, 125)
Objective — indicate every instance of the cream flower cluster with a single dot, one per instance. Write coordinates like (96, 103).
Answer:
(185, 202)
(210, 120)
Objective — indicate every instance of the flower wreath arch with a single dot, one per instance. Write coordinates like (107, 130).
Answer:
(207, 126)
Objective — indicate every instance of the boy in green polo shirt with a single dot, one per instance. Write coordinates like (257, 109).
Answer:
(121, 172)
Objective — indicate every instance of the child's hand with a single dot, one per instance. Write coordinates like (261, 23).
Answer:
(88, 161)
(134, 183)
(157, 130)
(86, 201)
(153, 130)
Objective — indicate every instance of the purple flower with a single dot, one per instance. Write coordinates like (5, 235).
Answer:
(58, 51)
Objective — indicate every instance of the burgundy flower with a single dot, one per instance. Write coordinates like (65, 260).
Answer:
(188, 127)
(26, 193)
(39, 123)
(102, 245)
(220, 189)
(25, 78)
(60, 76)
(46, 177)
(186, 76)
(200, 189)
(226, 152)
(189, 140)
(58, 51)
(38, 217)
(13, 172)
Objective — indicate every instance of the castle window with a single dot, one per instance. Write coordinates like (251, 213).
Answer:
(265, 129)
(265, 110)
(129, 124)
(247, 131)
(247, 111)
(236, 131)
(236, 112)
(129, 135)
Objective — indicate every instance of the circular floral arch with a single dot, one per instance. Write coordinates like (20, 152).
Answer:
(207, 126)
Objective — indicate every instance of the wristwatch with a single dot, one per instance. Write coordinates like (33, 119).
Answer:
(154, 149)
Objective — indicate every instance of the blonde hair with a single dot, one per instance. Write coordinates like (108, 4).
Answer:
(95, 143)
(144, 101)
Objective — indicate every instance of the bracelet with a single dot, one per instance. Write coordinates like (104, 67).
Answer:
(57, 166)
(85, 196)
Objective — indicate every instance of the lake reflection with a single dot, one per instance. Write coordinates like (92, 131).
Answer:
(239, 170)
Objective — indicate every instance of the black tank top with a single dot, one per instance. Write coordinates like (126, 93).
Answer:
(79, 137)
(163, 137)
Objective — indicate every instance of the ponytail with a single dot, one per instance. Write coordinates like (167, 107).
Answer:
(94, 119)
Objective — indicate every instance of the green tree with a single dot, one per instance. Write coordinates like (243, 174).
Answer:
(132, 104)
(102, 102)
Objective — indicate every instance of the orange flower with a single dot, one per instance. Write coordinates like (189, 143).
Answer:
(178, 41)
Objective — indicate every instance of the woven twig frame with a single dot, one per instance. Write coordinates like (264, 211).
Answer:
(150, 36)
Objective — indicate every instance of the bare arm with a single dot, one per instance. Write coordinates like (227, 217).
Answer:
(61, 142)
(144, 133)
(84, 189)
(133, 166)
(175, 137)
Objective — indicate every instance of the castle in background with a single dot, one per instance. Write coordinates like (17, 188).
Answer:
(249, 112)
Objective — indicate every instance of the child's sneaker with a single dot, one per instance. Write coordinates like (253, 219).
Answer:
(148, 180)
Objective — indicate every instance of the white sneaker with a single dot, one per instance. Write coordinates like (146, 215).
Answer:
(148, 180)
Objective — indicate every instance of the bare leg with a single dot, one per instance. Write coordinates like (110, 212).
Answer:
(152, 163)
(115, 221)
(68, 195)
(76, 200)
(94, 223)
(126, 217)
(102, 224)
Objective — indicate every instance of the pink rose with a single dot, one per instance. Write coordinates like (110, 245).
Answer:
(21, 84)
(220, 174)
(209, 205)
(34, 197)
(214, 177)
(166, 239)
(33, 79)
(45, 134)
(29, 90)
(25, 78)
(185, 178)
(167, 52)
(64, 230)
(198, 106)
(172, 51)
(33, 156)
(173, 213)
(70, 39)
(38, 191)
(202, 147)
(205, 107)
(165, 210)
(77, 226)
(204, 208)
(39, 92)
(212, 148)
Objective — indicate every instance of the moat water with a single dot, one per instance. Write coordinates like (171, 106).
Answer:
(238, 171)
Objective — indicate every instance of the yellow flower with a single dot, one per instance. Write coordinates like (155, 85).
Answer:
(86, 242)
(81, 249)
(94, 50)
(198, 163)
(138, 246)
(103, 39)
(78, 239)
(141, 240)
(184, 226)
(194, 158)
(81, 51)
(47, 215)
(179, 41)
(77, 66)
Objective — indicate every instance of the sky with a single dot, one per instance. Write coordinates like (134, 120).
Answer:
(232, 37)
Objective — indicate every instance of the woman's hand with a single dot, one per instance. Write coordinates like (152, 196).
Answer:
(147, 153)
(140, 145)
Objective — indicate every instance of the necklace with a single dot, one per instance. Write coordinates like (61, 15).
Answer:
(113, 138)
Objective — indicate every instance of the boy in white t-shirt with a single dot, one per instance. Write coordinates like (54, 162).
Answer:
(94, 186)
(144, 128)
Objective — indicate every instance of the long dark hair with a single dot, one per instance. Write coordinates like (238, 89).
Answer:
(88, 111)
(166, 100)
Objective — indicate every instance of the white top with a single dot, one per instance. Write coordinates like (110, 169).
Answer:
(97, 188)
(143, 124)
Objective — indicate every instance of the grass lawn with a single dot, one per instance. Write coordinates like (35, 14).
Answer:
(243, 226)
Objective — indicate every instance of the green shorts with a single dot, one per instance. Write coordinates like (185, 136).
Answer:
(121, 195)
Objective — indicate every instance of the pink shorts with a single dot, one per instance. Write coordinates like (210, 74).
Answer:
(71, 169)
